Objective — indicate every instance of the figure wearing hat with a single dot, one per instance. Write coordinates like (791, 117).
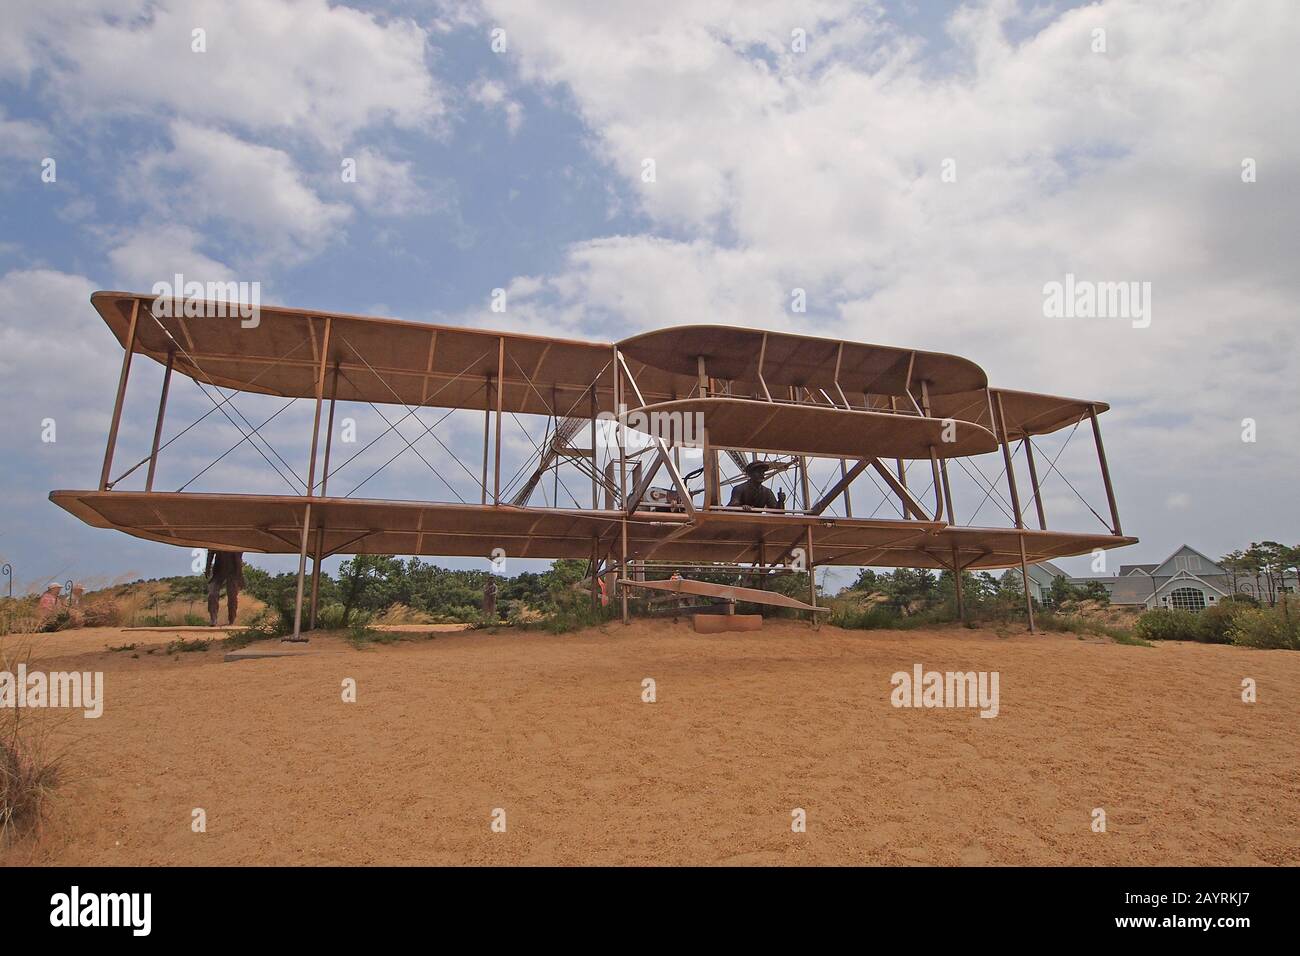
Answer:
(50, 599)
(753, 493)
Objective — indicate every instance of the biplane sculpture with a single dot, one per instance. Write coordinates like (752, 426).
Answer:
(731, 396)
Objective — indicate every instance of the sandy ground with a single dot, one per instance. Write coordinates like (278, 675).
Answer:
(746, 727)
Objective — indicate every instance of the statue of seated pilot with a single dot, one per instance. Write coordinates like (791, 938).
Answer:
(752, 493)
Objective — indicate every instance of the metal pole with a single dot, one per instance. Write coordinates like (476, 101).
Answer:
(1015, 504)
(121, 394)
(329, 434)
(943, 463)
(900, 468)
(712, 491)
(947, 490)
(1011, 470)
(324, 484)
(158, 425)
(812, 578)
(487, 424)
(957, 584)
(805, 488)
(595, 500)
(1033, 481)
(1024, 577)
(501, 382)
(311, 482)
(622, 481)
(555, 487)
(1105, 469)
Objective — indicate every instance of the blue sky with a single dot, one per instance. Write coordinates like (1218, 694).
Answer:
(776, 169)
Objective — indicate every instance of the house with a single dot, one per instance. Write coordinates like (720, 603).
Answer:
(1186, 580)
(1041, 577)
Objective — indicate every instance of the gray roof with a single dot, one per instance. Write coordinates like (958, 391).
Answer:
(1134, 590)
(1144, 568)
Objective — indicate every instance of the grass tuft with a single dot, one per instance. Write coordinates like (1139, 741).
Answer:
(30, 766)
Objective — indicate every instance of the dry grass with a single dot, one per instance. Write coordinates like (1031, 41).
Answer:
(19, 615)
(31, 765)
(402, 614)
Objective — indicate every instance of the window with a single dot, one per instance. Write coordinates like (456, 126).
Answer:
(1187, 599)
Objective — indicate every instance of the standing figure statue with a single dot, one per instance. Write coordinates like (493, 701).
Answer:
(224, 568)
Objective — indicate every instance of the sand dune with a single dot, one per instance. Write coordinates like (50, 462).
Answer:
(745, 728)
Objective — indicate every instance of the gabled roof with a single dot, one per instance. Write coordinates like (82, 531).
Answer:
(1050, 569)
(1126, 569)
(1166, 566)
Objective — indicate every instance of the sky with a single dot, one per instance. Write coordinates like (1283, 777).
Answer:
(921, 171)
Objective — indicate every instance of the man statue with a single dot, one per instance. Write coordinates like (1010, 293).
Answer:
(224, 568)
(752, 493)
(50, 599)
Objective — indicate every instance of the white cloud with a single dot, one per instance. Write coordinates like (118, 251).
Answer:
(211, 176)
(157, 253)
(388, 187)
(47, 341)
(823, 171)
(24, 140)
(303, 66)
(492, 95)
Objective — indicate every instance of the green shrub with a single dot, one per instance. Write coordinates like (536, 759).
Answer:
(575, 618)
(329, 617)
(1074, 624)
(60, 620)
(180, 646)
(1125, 637)
(267, 624)
(1214, 624)
(1166, 624)
(361, 634)
(1266, 628)
(877, 617)
(884, 617)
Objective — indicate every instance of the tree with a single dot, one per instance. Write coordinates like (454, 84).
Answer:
(1269, 562)
(369, 581)
(1235, 563)
(1061, 591)
(867, 580)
